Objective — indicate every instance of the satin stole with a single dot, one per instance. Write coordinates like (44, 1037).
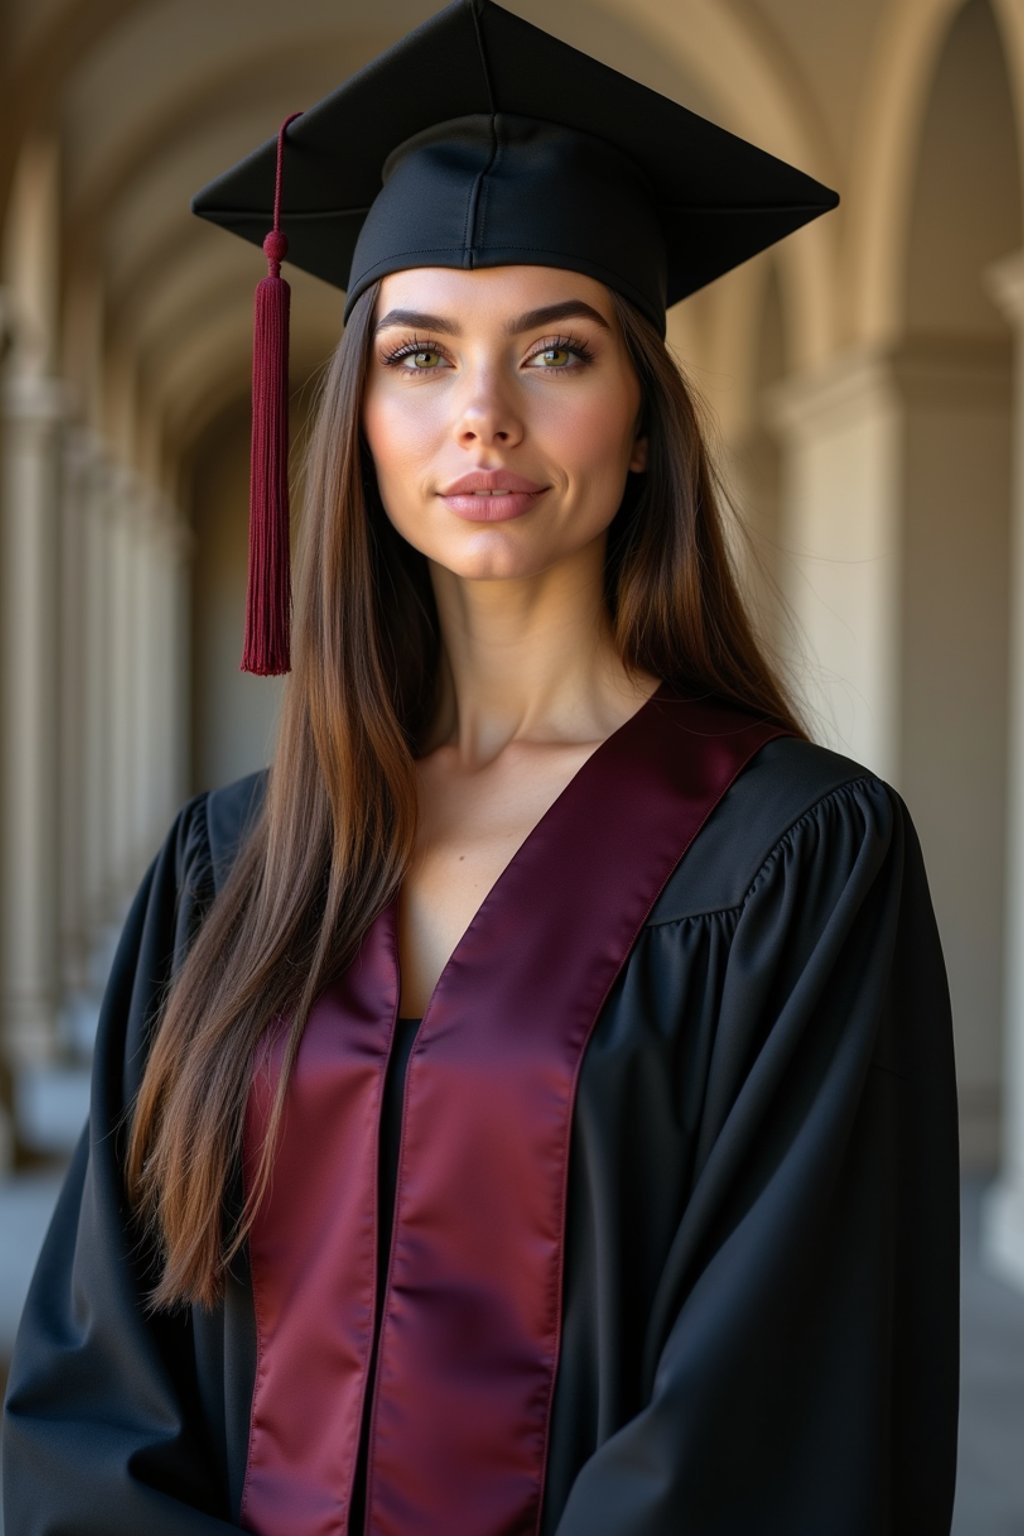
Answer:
(470, 1317)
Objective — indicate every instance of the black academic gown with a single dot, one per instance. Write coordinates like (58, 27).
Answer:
(759, 1270)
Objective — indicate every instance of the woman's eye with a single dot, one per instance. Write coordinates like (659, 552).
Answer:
(561, 356)
(414, 357)
(425, 360)
(556, 357)
(553, 357)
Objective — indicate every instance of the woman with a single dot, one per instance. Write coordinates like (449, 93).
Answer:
(531, 1108)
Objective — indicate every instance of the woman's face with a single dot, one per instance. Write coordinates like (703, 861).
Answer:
(520, 376)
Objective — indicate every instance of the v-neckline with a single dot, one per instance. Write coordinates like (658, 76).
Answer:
(539, 827)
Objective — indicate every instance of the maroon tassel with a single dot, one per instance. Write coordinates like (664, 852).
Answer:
(268, 600)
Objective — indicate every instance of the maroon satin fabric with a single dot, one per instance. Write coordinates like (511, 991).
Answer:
(470, 1327)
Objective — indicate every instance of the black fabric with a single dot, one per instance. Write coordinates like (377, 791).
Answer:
(761, 1292)
(390, 1136)
(390, 1132)
(496, 144)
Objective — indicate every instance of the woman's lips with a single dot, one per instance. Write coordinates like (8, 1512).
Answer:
(491, 495)
(492, 508)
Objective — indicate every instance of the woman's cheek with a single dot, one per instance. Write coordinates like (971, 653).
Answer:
(412, 425)
(395, 430)
(595, 436)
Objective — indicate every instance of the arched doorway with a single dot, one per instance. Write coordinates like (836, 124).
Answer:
(952, 369)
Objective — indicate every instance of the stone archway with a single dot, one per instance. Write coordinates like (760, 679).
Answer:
(952, 371)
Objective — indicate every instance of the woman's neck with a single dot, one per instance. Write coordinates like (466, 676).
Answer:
(528, 660)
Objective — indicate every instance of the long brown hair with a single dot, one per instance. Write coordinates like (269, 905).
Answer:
(336, 831)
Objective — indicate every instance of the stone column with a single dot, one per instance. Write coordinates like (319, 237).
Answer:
(160, 727)
(954, 604)
(7, 338)
(145, 683)
(1003, 1211)
(32, 409)
(148, 677)
(123, 662)
(840, 569)
(98, 690)
(74, 599)
(95, 800)
(894, 531)
(179, 549)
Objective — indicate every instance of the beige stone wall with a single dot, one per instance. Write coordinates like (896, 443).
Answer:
(865, 379)
(233, 714)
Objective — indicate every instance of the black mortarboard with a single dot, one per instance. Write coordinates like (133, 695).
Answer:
(479, 140)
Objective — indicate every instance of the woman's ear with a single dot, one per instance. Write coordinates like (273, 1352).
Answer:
(638, 461)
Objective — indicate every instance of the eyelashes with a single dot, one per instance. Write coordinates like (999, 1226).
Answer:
(574, 345)
(420, 346)
(412, 348)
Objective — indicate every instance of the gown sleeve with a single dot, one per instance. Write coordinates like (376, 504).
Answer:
(801, 1360)
(101, 1434)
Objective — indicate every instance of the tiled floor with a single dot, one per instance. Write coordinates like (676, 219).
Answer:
(990, 1479)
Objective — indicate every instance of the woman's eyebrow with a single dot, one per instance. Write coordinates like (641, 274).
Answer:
(568, 309)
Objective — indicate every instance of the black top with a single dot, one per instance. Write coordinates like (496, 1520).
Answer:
(390, 1136)
(390, 1131)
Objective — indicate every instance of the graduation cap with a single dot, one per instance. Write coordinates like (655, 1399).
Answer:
(478, 140)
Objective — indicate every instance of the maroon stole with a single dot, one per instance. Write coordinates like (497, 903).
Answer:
(470, 1326)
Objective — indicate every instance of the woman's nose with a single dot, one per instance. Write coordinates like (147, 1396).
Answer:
(488, 413)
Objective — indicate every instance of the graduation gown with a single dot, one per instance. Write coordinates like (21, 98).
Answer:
(675, 1247)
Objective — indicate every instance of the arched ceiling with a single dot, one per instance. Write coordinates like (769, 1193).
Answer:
(825, 48)
(44, 42)
(968, 124)
(151, 98)
(157, 96)
(903, 69)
